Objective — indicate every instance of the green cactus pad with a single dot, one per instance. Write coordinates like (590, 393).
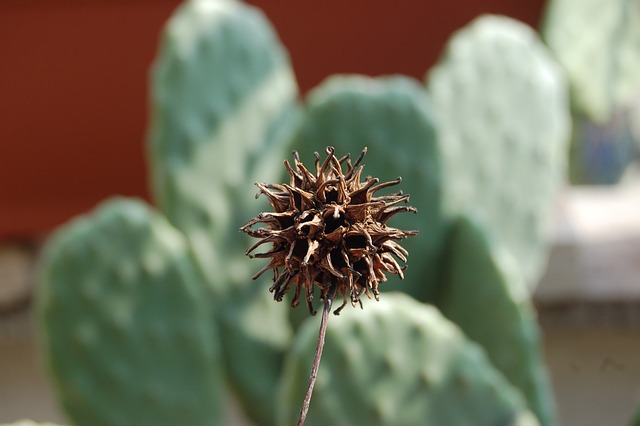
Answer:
(598, 44)
(224, 103)
(124, 330)
(392, 117)
(484, 294)
(224, 100)
(503, 129)
(397, 362)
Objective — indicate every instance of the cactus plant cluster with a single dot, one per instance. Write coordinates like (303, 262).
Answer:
(143, 312)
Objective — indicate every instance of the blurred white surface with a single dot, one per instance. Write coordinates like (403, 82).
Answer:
(596, 246)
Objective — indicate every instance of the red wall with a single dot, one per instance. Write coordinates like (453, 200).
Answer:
(73, 84)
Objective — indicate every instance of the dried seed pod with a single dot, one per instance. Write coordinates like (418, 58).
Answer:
(329, 230)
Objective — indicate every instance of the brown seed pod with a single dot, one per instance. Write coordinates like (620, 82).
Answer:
(329, 230)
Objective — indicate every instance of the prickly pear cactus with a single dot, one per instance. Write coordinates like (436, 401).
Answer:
(597, 44)
(503, 128)
(484, 294)
(393, 117)
(124, 328)
(224, 101)
(397, 362)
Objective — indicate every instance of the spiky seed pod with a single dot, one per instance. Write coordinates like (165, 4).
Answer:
(328, 230)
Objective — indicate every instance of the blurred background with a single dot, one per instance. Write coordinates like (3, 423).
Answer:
(73, 115)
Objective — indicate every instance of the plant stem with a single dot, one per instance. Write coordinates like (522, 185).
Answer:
(316, 361)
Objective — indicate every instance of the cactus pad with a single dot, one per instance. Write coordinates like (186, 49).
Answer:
(484, 294)
(503, 129)
(392, 117)
(598, 44)
(124, 329)
(224, 99)
(224, 102)
(397, 362)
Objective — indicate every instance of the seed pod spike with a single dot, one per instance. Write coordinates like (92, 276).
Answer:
(296, 178)
(296, 298)
(386, 184)
(356, 165)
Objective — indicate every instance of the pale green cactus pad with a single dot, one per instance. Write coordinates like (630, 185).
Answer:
(393, 118)
(124, 327)
(598, 44)
(397, 362)
(503, 130)
(224, 102)
(484, 294)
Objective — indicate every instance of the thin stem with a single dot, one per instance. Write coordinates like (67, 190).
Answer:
(316, 361)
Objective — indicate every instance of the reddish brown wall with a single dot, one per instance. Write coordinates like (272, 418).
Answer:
(73, 84)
